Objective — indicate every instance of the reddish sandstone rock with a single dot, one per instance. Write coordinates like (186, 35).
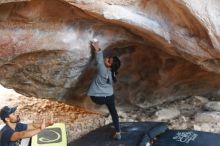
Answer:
(169, 49)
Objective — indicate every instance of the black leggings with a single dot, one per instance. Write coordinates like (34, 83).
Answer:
(110, 102)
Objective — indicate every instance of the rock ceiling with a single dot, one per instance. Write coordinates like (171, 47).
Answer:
(169, 48)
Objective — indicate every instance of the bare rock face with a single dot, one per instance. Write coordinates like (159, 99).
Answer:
(169, 49)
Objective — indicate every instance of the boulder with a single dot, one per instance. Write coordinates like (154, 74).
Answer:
(169, 49)
(207, 117)
(167, 114)
(212, 106)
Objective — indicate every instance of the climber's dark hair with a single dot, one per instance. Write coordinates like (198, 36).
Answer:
(114, 68)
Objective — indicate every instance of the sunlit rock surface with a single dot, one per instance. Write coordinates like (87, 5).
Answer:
(169, 49)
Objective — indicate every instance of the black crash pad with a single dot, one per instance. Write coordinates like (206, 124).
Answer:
(187, 138)
(133, 134)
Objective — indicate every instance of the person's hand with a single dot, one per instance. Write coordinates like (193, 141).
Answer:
(95, 45)
(43, 124)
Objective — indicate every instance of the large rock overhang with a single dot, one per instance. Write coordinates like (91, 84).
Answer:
(168, 50)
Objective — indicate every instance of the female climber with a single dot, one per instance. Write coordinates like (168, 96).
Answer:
(101, 88)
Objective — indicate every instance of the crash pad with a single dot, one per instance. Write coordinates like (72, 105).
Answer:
(133, 134)
(54, 135)
(187, 138)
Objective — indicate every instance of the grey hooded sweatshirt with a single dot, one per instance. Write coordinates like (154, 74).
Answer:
(100, 85)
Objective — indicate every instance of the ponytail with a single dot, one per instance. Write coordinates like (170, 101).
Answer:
(115, 66)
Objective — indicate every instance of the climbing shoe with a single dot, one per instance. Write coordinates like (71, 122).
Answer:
(117, 136)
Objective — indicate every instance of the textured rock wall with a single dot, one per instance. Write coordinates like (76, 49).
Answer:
(169, 48)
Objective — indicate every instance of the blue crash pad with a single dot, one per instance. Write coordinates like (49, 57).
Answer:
(133, 134)
(140, 133)
(187, 138)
